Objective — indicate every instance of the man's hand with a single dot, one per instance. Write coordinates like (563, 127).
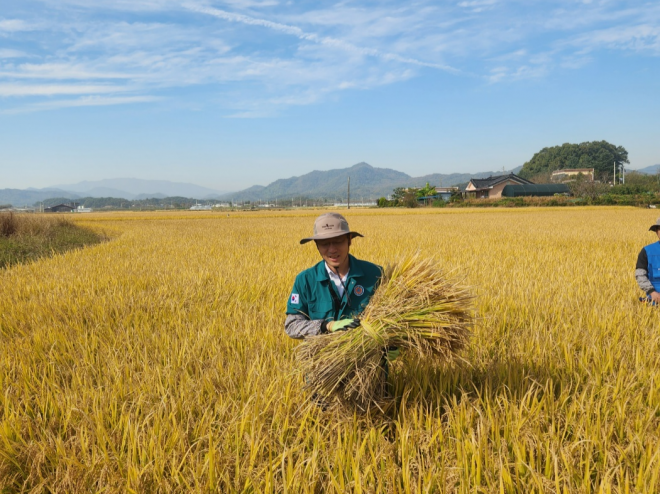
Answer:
(655, 296)
(343, 325)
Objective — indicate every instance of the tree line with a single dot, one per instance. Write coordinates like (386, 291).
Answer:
(599, 155)
(120, 203)
(639, 188)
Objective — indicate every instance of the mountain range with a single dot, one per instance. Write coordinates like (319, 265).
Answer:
(649, 170)
(135, 188)
(366, 182)
(121, 188)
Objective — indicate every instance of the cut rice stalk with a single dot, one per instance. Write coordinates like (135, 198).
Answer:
(416, 308)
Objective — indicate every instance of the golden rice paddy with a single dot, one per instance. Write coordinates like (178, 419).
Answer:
(157, 361)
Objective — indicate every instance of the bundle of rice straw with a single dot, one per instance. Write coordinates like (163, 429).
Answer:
(416, 309)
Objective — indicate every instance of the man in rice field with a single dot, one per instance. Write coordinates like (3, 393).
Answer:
(647, 270)
(331, 295)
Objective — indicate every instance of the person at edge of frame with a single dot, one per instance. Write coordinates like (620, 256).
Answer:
(331, 295)
(647, 270)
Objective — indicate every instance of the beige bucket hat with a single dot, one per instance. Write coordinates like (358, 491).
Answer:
(330, 225)
(655, 226)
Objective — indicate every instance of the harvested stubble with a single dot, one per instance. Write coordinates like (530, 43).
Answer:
(417, 308)
(28, 237)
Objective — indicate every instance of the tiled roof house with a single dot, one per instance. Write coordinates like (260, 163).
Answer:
(572, 173)
(492, 187)
(61, 208)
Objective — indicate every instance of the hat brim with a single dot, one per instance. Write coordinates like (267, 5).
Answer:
(654, 228)
(330, 235)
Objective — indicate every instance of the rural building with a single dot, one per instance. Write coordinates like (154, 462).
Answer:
(443, 193)
(491, 187)
(61, 208)
(571, 174)
(534, 190)
(11, 209)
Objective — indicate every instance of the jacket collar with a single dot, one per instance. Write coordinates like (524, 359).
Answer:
(355, 270)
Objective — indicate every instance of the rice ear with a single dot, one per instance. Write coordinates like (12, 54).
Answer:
(416, 308)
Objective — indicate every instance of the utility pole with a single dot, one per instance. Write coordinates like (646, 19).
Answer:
(349, 192)
(623, 173)
(614, 180)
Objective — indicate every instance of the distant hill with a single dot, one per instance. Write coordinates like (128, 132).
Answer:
(130, 188)
(122, 188)
(452, 179)
(19, 197)
(97, 203)
(149, 196)
(599, 155)
(366, 181)
(649, 170)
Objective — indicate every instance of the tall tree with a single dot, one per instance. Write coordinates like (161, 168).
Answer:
(398, 193)
(599, 155)
(426, 191)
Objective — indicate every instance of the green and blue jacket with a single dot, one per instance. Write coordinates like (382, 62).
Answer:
(314, 298)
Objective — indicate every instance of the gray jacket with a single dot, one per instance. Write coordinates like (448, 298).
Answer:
(642, 273)
(298, 326)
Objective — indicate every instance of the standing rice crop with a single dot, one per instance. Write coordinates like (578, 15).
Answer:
(417, 308)
(158, 361)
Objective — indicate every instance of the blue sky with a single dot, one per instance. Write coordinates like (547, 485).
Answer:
(232, 93)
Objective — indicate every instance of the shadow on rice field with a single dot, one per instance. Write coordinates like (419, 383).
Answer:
(443, 386)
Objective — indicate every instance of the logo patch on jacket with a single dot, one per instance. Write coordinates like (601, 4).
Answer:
(295, 298)
(358, 290)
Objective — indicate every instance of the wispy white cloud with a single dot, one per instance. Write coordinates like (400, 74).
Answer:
(477, 6)
(500, 74)
(14, 26)
(249, 4)
(9, 53)
(315, 38)
(587, 16)
(311, 95)
(358, 22)
(59, 71)
(575, 61)
(82, 102)
(260, 56)
(56, 89)
(564, 37)
(638, 38)
(116, 5)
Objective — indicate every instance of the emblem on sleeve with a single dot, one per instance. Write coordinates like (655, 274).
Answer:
(359, 290)
(295, 298)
